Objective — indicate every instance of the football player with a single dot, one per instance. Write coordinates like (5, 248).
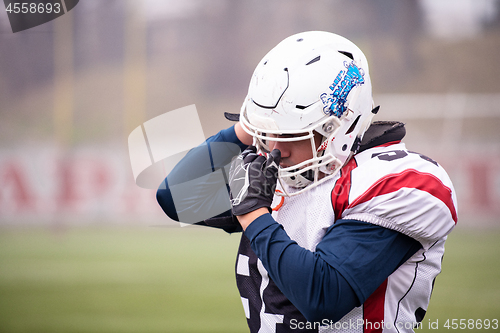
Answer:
(343, 227)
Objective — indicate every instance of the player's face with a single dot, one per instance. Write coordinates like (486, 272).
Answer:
(294, 152)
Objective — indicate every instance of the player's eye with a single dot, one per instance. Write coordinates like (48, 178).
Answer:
(287, 136)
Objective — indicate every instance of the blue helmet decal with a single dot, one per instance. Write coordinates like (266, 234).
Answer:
(334, 101)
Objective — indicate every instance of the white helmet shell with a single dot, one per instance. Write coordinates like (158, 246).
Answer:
(311, 81)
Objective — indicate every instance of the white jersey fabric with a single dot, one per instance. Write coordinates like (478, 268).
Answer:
(390, 187)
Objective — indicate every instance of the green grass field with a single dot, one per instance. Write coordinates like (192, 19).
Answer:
(150, 279)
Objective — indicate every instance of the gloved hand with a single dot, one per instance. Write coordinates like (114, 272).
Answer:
(252, 179)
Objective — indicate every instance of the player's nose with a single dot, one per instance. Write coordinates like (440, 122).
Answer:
(283, 148)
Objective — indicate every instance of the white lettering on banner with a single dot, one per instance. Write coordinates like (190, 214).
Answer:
(83, 184)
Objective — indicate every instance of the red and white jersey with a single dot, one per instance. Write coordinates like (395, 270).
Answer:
(387, 186)
(399, 190)
(404, 191)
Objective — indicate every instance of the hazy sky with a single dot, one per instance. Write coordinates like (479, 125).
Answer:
(455, 19)
(448, 19)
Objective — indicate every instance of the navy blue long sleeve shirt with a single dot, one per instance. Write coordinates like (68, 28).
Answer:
(348, 265)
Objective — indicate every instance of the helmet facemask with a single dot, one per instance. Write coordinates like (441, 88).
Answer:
(311, 172)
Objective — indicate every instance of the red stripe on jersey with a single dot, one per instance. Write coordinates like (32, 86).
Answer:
(410, 178)
(340, 192)
(387, 144)
(373, 310)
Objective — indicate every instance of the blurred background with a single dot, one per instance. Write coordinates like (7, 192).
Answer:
(82, 248)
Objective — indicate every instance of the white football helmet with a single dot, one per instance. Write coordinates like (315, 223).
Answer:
(310, 82)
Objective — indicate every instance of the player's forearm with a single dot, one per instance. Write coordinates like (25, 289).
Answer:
(313, 286)
(246, 219)
(348, 265)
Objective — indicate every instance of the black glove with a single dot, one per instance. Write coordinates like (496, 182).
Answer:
(229, 224)
(252, 179)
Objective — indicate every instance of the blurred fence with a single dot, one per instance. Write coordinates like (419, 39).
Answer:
(94, 184)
